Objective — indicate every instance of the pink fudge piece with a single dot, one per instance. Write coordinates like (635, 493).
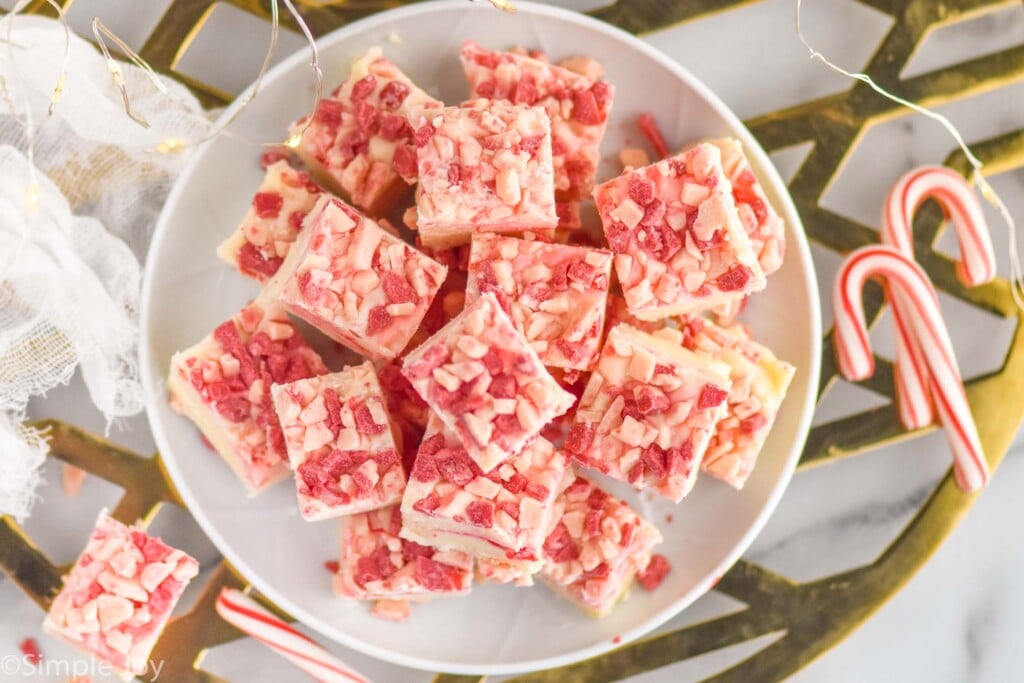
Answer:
(759, 384)
(377, 564)
(223, 385)
(262, 240)
(648, 412)
(680, 246)
(355, 282)
(360, 141)
(485, 383)
(596, 547)
(503, 515)
(555, 294)
(484, 167)
(119, 594)
(340, 444)
(577, 104)
(761, 222)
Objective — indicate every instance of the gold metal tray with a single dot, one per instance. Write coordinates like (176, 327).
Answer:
(813, 616)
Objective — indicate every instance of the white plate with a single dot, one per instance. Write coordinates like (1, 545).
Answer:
(496, 629)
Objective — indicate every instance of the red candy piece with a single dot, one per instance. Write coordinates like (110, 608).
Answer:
(267, 204)
(30, 648)
(656, 571)
(480, 513)
(649, 127)
(559, 545)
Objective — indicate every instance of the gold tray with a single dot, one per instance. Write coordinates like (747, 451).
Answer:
(813, 616)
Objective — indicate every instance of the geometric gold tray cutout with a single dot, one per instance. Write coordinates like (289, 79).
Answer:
(812, 616)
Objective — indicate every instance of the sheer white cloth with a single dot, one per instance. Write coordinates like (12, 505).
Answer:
(69, 270)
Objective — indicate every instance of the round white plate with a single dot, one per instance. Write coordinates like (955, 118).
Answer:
(496, 629)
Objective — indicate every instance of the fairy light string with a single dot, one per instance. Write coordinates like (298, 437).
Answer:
(172, 145)
(32, 190)
(314, 64)
(104, 37)
(101, 33)
(986, 189)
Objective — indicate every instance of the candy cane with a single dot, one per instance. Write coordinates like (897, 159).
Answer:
(975, 266)
(250, 618)
(924, 321)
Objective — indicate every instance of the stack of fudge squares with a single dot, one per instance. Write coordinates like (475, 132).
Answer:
(507, 353)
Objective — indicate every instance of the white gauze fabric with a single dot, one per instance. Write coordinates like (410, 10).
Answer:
(69, 271)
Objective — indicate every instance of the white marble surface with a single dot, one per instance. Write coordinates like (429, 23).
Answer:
(959, 618)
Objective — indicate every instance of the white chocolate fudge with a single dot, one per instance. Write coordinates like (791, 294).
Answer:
(759, 384)
(762, 223)
(377, 564)
(119, 594)
(359, 143)
(648, 412)
(484, 167)
(555, 294)
(596, 547)
(485, 383)
(577, 102)
(340, 444)
(262, 240)
(355, 282)
(679, 244)
(223, 385)
(502, 515)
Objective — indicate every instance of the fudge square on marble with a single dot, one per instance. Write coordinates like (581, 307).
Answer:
(678, 241)
(648, 412)
(355, 282)
(759, 384)
(762, 223)
(377, 564)
(502, 515)
(223, 385)
(359, 142)
(262, 240)
(596, 547)
(485, 383)
(119, 594)
(555, 294)
(484, 166)
(340, 443)
(578, 106)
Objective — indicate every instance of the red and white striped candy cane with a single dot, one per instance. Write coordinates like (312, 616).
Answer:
(250, 618)
(925, 325)
(976, 266)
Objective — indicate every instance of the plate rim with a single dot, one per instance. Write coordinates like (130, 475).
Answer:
(800, 249)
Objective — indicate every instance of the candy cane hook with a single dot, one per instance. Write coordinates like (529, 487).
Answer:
(976, 266)
(924, 322)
